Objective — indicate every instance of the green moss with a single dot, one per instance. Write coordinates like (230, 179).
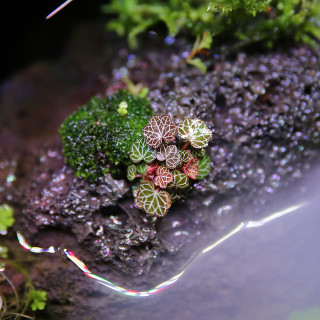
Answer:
(249, 21)
(97, 138)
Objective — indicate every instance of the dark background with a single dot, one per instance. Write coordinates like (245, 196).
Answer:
(27, 36)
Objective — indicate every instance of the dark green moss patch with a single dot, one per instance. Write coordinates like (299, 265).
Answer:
(97, 138)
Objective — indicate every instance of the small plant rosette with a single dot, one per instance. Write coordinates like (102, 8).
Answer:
(165, 164)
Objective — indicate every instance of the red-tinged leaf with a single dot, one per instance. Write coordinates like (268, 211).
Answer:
(171, 154)
(163, 178)
(191, 169)
(151, 169)
(159, 129)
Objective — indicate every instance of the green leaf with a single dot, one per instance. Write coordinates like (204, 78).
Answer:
(204, 165)
(6, 218)
(131, 172)
(180, 180)
(206, 41)
(198, 63)
(140, 151)
(38, 299)
(199, 153)
(195, 131)
(142, 168)
(175, 194)
(3, 252)
(154, 202)
(186, 156)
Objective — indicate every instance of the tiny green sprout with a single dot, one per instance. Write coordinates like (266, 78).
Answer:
(201, 45)
(6, 218)
(38, 299)
(140, 151)
(123, 108)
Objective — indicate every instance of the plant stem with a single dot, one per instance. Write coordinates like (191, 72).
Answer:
(185, 145)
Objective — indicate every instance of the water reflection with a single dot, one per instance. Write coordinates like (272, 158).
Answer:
(82, 266)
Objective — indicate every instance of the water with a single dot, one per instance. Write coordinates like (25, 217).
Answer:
(263, 273)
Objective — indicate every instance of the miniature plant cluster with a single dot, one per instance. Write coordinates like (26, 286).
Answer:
(97, 137)
(165, 164)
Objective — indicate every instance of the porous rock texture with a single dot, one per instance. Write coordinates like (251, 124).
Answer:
(264, 110)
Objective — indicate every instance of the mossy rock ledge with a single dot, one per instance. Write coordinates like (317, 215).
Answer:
(264, 110)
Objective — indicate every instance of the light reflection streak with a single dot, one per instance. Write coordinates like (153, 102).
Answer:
(254, 224)
(58, 9)
(81, 265)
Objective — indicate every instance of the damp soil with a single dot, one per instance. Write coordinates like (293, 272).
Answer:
(264, 111)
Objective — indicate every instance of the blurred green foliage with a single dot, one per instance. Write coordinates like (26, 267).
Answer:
(247, 21)
(6, 218)
(38, 299)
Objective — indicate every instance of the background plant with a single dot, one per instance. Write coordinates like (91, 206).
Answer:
(17, 304)
(247, 21)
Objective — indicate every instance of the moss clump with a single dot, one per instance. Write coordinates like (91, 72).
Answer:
(97, 137)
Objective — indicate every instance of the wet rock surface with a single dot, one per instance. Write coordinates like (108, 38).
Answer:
(264, 111)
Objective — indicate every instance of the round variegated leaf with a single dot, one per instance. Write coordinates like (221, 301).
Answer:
(195, 131)
(191, 169)
(158, 129)
(154, 202)
(186, 156)
(173, 157)
(204, 165)
(142, 168)
(180, 180)
(131, 172)
(163, 178)
(140, 151)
